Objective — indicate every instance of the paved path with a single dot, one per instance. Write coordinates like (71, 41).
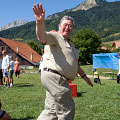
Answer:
(90, 76)
(101, 77)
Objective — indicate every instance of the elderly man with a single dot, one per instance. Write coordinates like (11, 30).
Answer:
(60, 65)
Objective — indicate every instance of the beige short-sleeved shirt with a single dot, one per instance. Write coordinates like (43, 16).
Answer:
(59, 55)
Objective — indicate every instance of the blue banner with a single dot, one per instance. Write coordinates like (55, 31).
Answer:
(106, 60)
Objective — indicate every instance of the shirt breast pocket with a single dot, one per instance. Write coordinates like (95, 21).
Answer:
(68, 46)
(68, 50)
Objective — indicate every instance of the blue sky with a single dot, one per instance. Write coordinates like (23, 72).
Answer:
(11, 10)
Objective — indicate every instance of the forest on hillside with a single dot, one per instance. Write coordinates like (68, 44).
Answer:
(104, 19)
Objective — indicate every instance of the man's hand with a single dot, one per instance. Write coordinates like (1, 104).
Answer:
(39, 13)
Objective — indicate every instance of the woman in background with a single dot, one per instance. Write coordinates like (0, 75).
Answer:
(17, 67)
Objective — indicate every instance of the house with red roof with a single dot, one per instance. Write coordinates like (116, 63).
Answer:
(27, 56)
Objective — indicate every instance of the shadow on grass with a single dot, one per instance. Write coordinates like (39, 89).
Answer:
(28, 118)
(102, 83)
(79, 94)
(99, 84)
(24, 85)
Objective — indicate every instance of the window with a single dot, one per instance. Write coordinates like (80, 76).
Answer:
(3, 48)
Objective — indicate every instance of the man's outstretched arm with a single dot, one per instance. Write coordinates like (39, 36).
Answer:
(84, 76)
(39, 14)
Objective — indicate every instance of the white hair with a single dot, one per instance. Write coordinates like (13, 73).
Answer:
(67, 18)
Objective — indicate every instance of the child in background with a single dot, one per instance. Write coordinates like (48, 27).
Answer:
(11, 71)
(4, 115)
(96, 77)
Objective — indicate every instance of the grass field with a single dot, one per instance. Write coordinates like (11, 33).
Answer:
(25, 100)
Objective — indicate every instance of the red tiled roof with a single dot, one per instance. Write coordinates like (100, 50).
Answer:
(24, 50)
(116, 44)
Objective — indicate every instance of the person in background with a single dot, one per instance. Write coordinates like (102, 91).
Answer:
(5, 63)
(11, 71)
(4, 115)
(60, 65)
(17, 67)
(1, 74)
(96, 77)
(118, 74)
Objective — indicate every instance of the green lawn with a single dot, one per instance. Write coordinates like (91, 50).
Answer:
(25, 100)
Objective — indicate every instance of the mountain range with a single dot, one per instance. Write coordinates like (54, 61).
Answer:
(83, 6)
(99, 15)
(14, 24)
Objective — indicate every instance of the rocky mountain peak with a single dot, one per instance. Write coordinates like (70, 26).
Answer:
(88, 4)
(14, 24)
(82, 6)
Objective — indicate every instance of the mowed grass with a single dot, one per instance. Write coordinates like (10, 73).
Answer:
(25, 100)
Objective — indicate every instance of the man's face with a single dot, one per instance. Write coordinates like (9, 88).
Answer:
(66, 28)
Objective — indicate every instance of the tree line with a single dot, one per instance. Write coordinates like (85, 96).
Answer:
(92, 27)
